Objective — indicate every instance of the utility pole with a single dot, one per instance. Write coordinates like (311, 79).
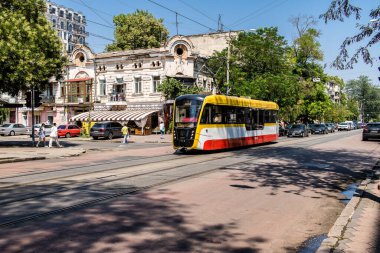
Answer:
(32, 104)
(228, 63)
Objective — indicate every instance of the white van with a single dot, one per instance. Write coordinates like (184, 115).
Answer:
(350, 124)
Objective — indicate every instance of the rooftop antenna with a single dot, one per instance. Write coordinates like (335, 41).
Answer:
(220, 24)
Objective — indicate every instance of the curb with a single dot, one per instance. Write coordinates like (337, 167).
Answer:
(15, 160)
(336, 232)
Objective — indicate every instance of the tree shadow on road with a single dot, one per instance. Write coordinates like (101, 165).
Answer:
(131, 223)
(301, 168)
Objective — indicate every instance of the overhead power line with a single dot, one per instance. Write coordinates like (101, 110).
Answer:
(206, 15)
(81, 3)
(195, 9)
(101, 36)
(100, 24)
(181, 15)
(95, 12)
(257, 13)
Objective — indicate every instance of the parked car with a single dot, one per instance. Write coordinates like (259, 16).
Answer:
(68, 130)
(320, 129)
(330, 127)
(298, 130)
(371, 131)
(37, 128)
(344, 126)
(283, 131)
(106, 130)
(12, 129)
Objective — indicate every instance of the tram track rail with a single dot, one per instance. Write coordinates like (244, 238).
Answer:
(136, 189)
(87, 183)
(109, 196)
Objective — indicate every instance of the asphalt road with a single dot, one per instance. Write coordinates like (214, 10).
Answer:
(146, 198)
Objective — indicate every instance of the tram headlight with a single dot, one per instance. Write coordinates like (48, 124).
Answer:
(192, 134)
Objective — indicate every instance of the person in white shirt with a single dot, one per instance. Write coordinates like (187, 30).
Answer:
(54, 136)
(162, 130)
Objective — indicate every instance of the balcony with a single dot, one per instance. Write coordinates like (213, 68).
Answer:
(48, 99)
(117, 97)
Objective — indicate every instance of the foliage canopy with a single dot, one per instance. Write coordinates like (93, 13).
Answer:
(31, 51)
(338, 10)
(138, 30)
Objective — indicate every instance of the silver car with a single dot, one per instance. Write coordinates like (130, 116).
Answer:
(37, 128)
(12, 129)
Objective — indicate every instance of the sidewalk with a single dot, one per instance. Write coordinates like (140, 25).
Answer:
(13, 154)
(357, 230)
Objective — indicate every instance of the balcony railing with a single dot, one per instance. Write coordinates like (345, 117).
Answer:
(116, 97)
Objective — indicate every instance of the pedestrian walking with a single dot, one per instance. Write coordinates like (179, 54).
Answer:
(125, 132)
(41, 135)
(54, 136)
(162, 129)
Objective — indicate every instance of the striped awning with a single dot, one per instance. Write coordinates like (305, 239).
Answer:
(125, 115)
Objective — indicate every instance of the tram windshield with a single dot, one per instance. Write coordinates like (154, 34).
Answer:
(187, 112)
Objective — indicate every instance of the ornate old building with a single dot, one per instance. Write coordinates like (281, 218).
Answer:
(122, 86)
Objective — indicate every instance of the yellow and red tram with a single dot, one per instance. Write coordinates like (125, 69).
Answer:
(212, 122)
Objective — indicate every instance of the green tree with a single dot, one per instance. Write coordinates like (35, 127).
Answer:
(252, 55)
(172, 88)
(368, 34)
(366, 95)
(306, 47)
(4, 112)
(261, 52)
(30, 51)
(138, 30)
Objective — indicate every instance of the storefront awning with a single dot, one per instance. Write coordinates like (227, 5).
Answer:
(126, 115)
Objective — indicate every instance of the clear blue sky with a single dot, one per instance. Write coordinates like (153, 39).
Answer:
(235, 15)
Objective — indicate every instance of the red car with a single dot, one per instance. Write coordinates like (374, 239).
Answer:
(68, 131)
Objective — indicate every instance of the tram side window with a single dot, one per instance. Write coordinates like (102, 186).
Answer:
(230, 114)
(240, 115)
(260, 122)
(217, 114)
(267, 116)
(274, 116)
(206, 115)
(248, 120)
(212, 114)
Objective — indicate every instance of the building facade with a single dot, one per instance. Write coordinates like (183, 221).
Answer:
(69, 24)
(122, 86)
(333, 91)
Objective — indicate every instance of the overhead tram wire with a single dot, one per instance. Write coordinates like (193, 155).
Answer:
(79, 2)
(181, 15)
(95, 12)
(254, 12)
(202, 13)
(195, 9)
(257, 13)
(107, 26)
(101, 36)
